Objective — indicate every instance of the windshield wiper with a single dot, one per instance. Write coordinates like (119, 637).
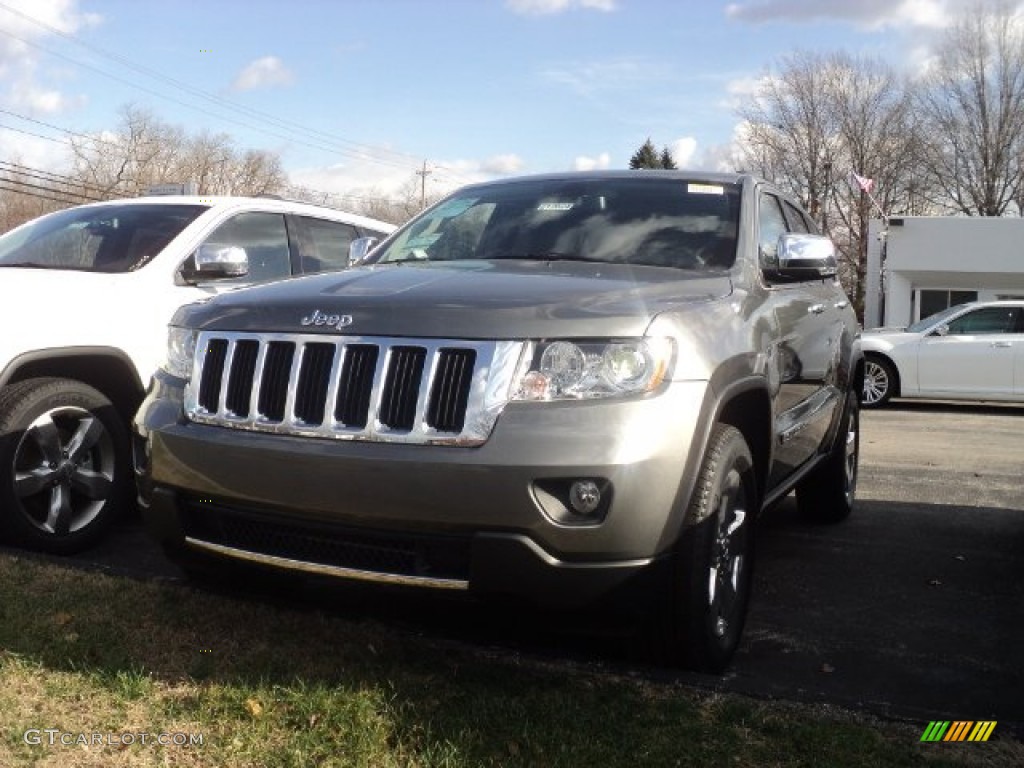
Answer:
(34, 265)
(548, 256)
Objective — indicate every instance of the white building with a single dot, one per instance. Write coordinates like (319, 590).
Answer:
(932, 262)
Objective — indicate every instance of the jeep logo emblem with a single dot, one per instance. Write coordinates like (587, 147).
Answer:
(331, 321)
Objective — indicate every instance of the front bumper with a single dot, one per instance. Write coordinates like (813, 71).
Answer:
(469, 519)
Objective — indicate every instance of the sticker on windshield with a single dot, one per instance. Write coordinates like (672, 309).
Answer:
(705, 189)
(555, 207)
(423, 241)
(453, 208)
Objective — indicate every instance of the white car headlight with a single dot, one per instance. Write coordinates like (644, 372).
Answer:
(181, 351)
(567, 370)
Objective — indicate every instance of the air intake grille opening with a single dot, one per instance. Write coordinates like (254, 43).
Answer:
(243, 368)
(435, 556)
(402, 387)
(274, 384)
(449, 393)
(213, 372)
(356, 385)
(314, 378)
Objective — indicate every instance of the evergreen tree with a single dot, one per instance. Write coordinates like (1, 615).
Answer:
(645, 157)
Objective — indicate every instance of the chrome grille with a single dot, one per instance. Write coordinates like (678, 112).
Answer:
(360, 388)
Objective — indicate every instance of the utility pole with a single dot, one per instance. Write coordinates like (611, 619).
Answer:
(423, 185)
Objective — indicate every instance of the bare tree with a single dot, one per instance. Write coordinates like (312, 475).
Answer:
(973, 104)
(790, 129)
(876, 137)
(818, 120)
(145, 151)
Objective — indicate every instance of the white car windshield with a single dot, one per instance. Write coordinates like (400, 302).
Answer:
(932, 320)
(110, 238)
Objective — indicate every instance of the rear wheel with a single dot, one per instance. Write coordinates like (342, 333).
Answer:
(827, 494)
(64, 471)
(702, 625)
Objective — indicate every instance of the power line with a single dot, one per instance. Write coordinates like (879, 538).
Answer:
(49, 197)
(48, 176)
(64, 192)
(363, 152)
(43, 175)
(204, 110)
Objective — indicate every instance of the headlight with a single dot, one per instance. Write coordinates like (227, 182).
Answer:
(567, 370)
(181, 351)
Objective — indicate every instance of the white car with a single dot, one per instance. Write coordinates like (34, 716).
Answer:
(85, 296)
(967, 352)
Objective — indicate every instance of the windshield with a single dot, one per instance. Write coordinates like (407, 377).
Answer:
(669, 222)
(109, 238)
(927, 322)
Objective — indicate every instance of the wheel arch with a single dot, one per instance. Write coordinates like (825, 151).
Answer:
(897, 383)
(747, 406)
(106, 369)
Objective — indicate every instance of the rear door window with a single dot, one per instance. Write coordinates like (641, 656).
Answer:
(323, 244)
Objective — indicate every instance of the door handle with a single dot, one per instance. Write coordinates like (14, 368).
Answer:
(842, 304)
(1002, 344)
(816, 309)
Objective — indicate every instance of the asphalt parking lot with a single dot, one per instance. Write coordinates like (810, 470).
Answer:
(912, 609)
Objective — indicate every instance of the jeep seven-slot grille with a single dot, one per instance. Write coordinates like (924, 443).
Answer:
(403, 390)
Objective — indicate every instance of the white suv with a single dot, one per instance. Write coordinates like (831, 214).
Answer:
(85, 296)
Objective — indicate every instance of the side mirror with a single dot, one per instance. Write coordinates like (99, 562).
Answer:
(803, 257)
(940, 330)
(360, 248)
(221, 261)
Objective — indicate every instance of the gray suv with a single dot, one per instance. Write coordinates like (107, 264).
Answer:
(574, 389)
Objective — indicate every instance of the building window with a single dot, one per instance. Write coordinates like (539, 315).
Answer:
(931, 301)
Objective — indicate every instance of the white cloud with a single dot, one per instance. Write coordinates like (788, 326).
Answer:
(548, 7)
(25, 22)
(584, 163)
(921, 61)
(37, 100)
(502, 165)
(262, 73)
(741, 91)
(683, 151)
(376, 174)
(869, 14)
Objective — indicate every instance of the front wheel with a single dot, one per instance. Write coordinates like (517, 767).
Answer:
(827, 494)
(879, 381)
(64, 471)
(713, 563)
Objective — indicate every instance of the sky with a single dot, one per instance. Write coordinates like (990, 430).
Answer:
(356, 96)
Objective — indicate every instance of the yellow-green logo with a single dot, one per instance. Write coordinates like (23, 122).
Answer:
(958, 730)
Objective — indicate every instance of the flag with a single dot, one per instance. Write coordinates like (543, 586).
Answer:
(865, 184)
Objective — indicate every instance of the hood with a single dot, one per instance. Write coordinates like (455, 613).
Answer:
(29, 290)
(887, 329)
(884, 339)
(469, 300)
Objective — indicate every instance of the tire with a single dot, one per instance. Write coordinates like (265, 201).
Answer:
(713, 562)
(880, 381)
(64, 468)
(827, 494)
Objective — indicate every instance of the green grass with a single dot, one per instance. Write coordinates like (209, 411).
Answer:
(271, 686)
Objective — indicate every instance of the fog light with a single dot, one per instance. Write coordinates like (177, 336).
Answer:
(584, 496)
